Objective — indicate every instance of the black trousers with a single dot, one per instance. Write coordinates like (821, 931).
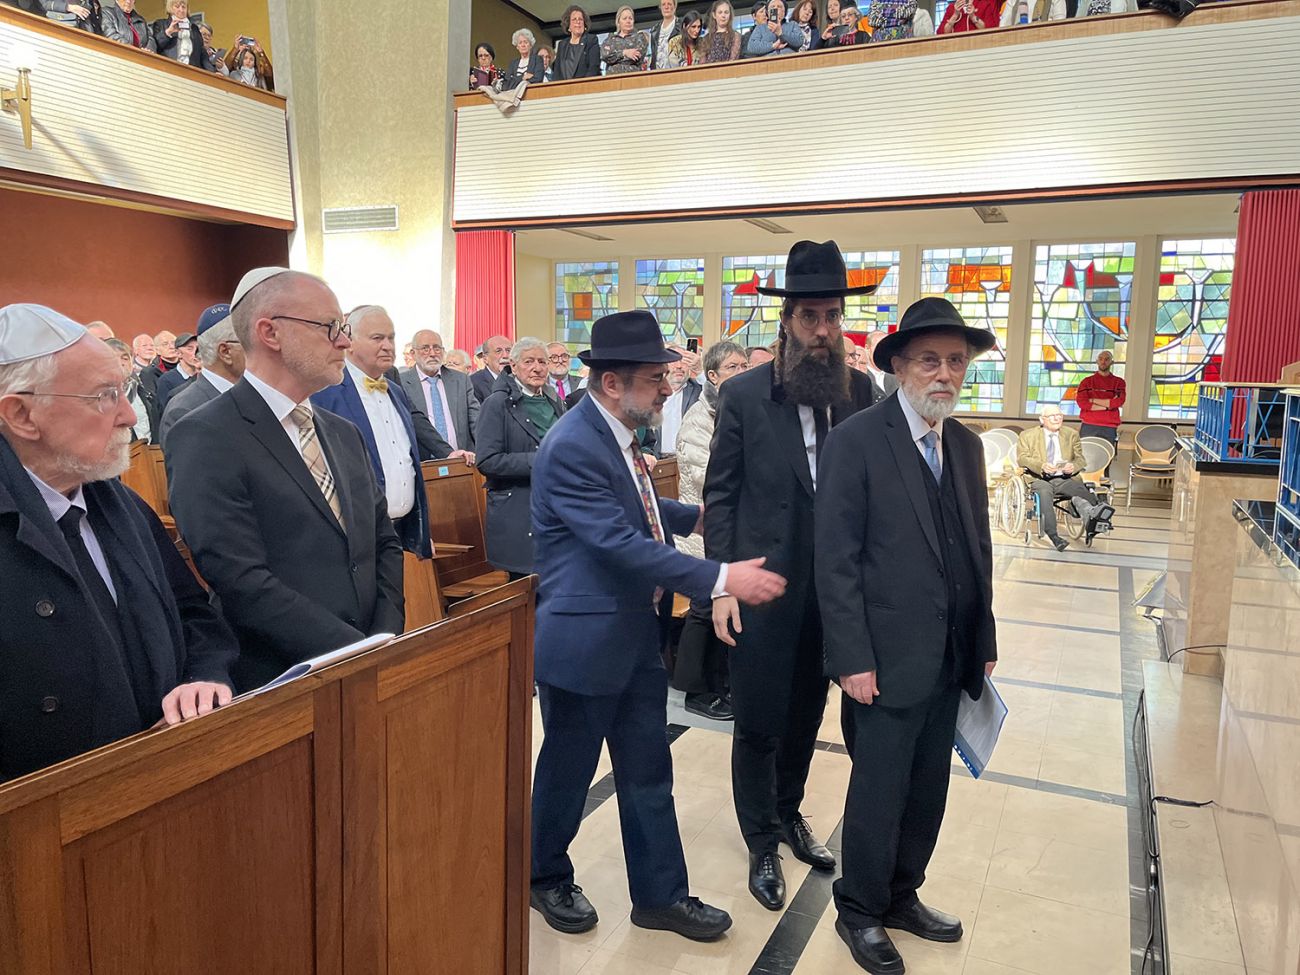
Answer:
(769, 772)
(1061, 487)
(634, 724)
(897, 793)
(700, 665)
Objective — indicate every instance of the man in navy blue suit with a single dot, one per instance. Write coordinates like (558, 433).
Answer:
(608, 571)
(394, 432)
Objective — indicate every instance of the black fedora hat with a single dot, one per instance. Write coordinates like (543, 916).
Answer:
(627, 336)
(816, 271)
(929, 315)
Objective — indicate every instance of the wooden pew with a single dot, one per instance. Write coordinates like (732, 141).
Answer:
(457, 517)
(665, 478)
(423, 594)
(147, 477)
(372, 817)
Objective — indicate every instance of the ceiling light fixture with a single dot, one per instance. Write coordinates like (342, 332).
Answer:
(992, 214)
(771, 226)
(584, 233)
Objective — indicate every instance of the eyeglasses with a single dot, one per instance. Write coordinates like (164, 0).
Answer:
(810, 319)
(106, 400)
(931, 363)
(560, 358)
(426, 349)
(335, 328)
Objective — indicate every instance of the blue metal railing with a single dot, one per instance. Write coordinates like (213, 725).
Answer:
(1239, 423)
(1286, 523)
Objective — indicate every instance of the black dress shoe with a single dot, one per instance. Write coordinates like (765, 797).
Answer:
(766, 881)
(1060, 543)
(925, 922)
(690, 917)
(872, 949)
(708, 705)
(565, 908)
(807, 847)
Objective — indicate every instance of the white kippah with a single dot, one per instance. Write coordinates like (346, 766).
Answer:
(252, 279)
(32, 331)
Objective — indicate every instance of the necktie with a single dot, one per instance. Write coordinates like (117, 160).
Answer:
(560, 390)
(435, 404)
(1053, 450)
(646, 487)
(931, 453)
(315, 459)
(821, 425)
(70, 525)
(375, 385)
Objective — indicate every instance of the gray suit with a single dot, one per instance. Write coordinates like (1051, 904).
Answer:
(185, 400)
(460, 398)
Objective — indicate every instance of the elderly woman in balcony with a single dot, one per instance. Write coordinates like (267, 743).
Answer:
(578, 54)
(624, 50)
(525, 70)
(685, 47)
(85, 14)
(179, 38)
(122, 24)
(722, 42)
(968, 15)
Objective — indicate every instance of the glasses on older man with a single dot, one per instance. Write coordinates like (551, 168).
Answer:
(810, 319)
(563, 357)
(334, 328)
(930, 363)
(426, 349)
(106, 400)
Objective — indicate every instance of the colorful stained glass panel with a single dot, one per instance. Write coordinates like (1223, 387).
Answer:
(674, 291)
(1080, 306)
(583, 293)
(1191, 322)
(978, 281)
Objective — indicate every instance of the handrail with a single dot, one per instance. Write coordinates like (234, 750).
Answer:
(157, 62)
(1225, 12)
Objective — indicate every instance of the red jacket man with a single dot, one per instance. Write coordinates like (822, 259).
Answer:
(1099, 397)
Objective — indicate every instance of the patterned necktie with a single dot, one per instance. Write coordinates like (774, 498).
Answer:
(375, 385)
(931, 443)
(646, 487)
(315, 459)
(435, 404)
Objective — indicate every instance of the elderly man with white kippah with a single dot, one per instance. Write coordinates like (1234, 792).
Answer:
(276, 497)
(104, 631)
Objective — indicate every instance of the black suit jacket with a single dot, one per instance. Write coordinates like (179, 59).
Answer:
(291, 582)
(514, 72)
(588, 61)
(758, 502)
(483, 381)
(61, 692)
(879, 567)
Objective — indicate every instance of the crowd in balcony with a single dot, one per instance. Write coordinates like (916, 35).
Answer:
(176, 36)
(711, 35)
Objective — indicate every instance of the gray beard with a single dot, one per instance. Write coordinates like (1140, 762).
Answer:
(116, 460)
(649, 417)
(933, 411)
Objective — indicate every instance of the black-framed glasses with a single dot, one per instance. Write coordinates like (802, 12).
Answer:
(335, 328)
(106, 400)
(559, 358)
(426, 349)
(810, 319)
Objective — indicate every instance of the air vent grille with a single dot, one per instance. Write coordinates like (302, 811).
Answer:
(352, 220)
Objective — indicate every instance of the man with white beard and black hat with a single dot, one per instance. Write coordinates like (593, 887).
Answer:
(103, 628)
(905, 576)
(758, 501)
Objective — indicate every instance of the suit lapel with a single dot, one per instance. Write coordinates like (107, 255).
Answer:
(784, 418)
(964, 468)
(335, 457)
(516, 406)
(273, 437)
(631, 493)
(904, 450)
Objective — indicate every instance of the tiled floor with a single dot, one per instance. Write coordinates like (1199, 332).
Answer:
(1035, 857)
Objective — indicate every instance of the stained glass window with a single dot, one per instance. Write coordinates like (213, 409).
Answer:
(674, 291)
(1080, 306)
(583, 293)
(1191, 321)
(753, 319)
(978, 281)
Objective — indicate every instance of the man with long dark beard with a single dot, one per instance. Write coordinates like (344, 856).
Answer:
(758, 500)
(905, 573)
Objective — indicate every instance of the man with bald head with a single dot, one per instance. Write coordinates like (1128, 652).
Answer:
(496, 356)
(276, 497)
(103, 629)
(444, 394)
(100, 330)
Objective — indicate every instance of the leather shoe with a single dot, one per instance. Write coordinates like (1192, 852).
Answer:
(872, 949)
(712, 706)
(565, 908)
(690, 917)
(925, 922)
(766, 881)
(806, 847)
(1060, 543)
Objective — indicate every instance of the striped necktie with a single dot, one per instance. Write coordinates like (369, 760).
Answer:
(312, 456)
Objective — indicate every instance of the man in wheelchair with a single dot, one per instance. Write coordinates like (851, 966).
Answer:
(1052, 456)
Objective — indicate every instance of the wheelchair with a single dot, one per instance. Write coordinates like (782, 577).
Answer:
(1016, 508)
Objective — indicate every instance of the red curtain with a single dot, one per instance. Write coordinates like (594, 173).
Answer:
(1264, 309)
(485, 287)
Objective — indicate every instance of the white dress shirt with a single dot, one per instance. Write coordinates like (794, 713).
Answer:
(432, 386)
(219, 383)
(282, 409)
(919, 427)
(59, 505)
(393, 443)
(808, 423)
(672, 422)
(623, 437)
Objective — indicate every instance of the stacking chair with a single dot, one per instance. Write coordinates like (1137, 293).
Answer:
(1098, 454)
(1154, 448)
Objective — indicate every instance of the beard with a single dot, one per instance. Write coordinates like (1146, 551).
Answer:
(810, 380)
(933, 410)
(116, 459)
(644, 416)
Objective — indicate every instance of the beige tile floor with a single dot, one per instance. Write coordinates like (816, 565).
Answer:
(1040, 879)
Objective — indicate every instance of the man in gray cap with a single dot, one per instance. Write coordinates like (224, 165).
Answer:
(103, 628)
(276, 498)
(223, 364)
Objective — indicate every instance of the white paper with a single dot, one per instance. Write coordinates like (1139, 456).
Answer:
(323, 661)
(978, 725)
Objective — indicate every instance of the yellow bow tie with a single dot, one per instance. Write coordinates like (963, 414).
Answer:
(375, 385)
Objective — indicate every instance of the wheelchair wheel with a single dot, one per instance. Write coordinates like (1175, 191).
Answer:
(1013, 508)
(1070, 521)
